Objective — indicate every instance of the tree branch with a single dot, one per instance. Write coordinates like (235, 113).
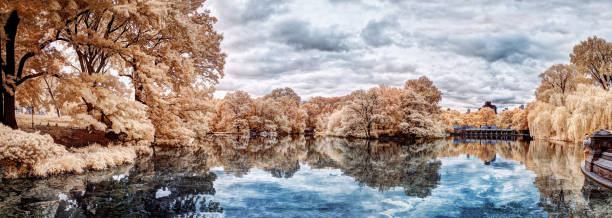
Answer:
(22, 63)
(20, 81)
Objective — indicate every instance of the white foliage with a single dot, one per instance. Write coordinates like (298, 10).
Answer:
(31, 154)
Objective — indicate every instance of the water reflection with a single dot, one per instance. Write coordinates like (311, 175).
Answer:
(562, 187)
(297, 176)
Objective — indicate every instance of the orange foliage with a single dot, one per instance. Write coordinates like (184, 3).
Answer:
(568, 106)
(388, 111)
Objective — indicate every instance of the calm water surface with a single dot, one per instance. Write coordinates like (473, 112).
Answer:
(325, 177)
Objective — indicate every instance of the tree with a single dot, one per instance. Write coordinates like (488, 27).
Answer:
(173, 58)
(34, 20)
(419, 120)
(266, 116)
(390, 111)
(51, 85)
(505, 118)
(364, 107)
(234, 111)
(284, 92)
(453, 118)
(312, 111)
(519, 119)
(180, 51)
(594, 57)
(168, 50)
(430, 92)
(560, 78)
(99, 34)
(486, 116)
(11, 76)
(294, 118)
(39, 94)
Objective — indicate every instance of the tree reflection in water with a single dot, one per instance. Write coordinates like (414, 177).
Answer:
(389, 165)
(172, 182)
(562, 187)
(375, 164)
(179, 181)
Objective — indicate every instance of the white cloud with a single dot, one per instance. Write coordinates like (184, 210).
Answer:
(476, 51)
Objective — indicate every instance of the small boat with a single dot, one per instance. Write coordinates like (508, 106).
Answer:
(598, 165)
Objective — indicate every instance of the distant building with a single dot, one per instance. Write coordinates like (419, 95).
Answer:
(489, 105)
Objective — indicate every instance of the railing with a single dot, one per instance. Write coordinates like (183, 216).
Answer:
(489, 133)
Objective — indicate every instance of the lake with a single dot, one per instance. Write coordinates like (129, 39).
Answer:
(230, 176)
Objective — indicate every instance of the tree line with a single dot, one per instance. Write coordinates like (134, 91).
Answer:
(382, 111)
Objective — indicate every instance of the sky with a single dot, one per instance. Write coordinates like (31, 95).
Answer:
(466, 188)
(473, 50)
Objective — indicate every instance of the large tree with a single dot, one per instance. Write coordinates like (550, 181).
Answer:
(594, 57)
(364, 108)
(168, 49)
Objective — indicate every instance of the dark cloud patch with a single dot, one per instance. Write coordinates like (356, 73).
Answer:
(269, 65)
(375, 34)
(261, 10)
(344, 1)
(507, 100)
(303, 36)
(398, 68)
(513, 48)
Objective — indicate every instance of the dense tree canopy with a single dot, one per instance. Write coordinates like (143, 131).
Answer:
(593, 57)
(569, 104)
(74, 55)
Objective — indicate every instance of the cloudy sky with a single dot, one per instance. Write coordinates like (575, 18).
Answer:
(473, 50)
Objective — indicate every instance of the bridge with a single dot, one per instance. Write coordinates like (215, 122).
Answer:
(485, 131)
(490, 133)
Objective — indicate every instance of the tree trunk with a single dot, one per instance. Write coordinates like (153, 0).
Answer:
(32, 117)
(136, 81)
(368, 130)
(52, 97)
(9, 111)
(1, 105)
(10, 28)
(139, 93)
